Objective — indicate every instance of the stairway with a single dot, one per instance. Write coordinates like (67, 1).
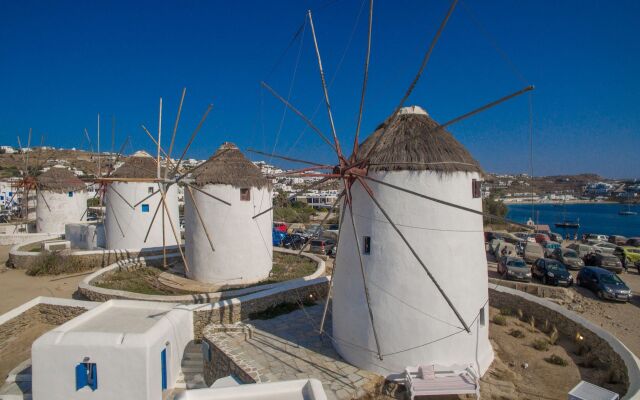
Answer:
(192, 375)
(18, 383)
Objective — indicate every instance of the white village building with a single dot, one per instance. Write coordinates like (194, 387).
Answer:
(126, 350)
(242, 245)
(413, 322)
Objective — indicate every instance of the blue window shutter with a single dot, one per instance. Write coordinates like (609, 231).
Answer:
(163, 361)
(70, 194)
(81, 376)
(145, 208)
(94, 374)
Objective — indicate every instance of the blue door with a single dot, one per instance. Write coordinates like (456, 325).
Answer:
(163, 362)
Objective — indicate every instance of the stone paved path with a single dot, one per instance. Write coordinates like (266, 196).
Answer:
(288, 347)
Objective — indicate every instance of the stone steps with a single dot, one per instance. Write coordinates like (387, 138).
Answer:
(192, 375)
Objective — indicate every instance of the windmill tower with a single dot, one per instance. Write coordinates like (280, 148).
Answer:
(243, 247)
(449, 240)
(411, 288)
(61, 199)
(130, 209)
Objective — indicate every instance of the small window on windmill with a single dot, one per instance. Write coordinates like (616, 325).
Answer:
(70, 194)
(366, 248)
(245, 194)
(476, 188)
(150, 189)
(482, 316)
(145, 208)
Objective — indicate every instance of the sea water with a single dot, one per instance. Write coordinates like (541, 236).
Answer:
(594, 218)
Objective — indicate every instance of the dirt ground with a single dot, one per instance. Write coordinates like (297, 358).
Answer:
(521, 372)
(620, 319)
(17, 288)
(18, 348)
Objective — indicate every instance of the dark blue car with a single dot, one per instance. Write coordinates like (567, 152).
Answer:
(604, 283)
(551, 272)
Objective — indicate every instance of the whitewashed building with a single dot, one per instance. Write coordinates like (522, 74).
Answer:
(61, 199)
(242, 242)
(126, 350)
(413, 322)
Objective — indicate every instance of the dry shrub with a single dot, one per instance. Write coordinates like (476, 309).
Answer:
(519, 314)
(556, 360)
(531, 321)
(615, 376)
(517, 333)
(553, 335)
(49, 263)
(507, 312)
(500, 320)
(540, 344)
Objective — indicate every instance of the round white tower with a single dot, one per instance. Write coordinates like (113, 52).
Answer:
(126, 224)
(61, 198)
(413, 322)
(243, 250)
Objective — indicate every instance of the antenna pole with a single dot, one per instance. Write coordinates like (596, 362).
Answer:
(99, 165)
(159, 135)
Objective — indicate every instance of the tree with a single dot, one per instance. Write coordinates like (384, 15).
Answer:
(494, 206)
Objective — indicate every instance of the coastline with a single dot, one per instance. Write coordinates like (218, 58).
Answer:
(559, 202)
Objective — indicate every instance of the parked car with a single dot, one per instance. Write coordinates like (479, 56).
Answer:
(549, 247)
(604, 247)
(568, 257)
(277, 237)
(582, 249)
(628, 255)
(322, 246)
(293, 241)
(595, 236)
(605, 284)
(606, 261)
(542, 237)
(551, 272)
(514, 268)
(280, 226)
(634, 241)
(556, 237)
(618, 240)
(532, 251)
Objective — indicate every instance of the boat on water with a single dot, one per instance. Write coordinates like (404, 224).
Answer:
(628, 211)
(568, 225)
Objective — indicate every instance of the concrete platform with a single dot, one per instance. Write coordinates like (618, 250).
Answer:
(288, 347)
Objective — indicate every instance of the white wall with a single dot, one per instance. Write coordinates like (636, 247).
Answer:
(448, 240)
(128, 363)
(133, 222)
(243, 245)
(85, 236)
(54, 210)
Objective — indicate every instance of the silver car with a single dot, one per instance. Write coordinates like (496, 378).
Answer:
(514, 268)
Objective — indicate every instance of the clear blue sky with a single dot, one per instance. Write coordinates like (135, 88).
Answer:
(62, 62)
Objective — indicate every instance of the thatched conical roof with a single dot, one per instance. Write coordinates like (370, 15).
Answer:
(139, 165)
(59, 180)
(414, 143)
(230, 168)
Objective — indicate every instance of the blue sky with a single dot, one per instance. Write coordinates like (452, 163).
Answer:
(62, 62)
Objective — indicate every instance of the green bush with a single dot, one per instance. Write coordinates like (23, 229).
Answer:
(540, 344)
(500, 320)
(556, 360)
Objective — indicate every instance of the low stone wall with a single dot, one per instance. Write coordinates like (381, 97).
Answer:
(95, 293)
(99, 258)
(552, 292)
(223, 361)
(239, 309)
(607, 349)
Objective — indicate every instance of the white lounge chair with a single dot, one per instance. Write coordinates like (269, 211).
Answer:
(435, 380)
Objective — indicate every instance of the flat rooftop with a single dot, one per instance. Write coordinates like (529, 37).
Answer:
(123, 319)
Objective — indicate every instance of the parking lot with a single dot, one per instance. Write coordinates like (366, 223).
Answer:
(621, 319)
